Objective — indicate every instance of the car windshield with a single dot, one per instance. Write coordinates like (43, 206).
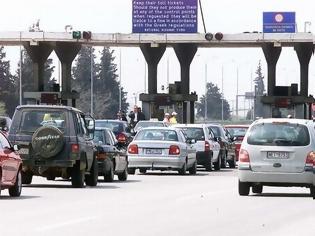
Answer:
(193, 133)
(157, 134)
(279, 134)
(116, 127)
(33, 119)
(237, 131)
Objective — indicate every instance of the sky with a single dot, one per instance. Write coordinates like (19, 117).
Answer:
(226, 16)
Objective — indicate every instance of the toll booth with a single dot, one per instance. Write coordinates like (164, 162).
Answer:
(287, 102)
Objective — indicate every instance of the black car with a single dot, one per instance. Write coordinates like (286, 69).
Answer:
(111, 155)
(55, 141)
(120, 129)
(227, 151)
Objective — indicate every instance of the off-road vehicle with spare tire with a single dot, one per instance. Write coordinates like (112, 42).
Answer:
(55, 141)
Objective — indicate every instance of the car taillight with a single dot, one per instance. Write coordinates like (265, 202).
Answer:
(121, 138)
(133, 149)
(174, 150)
(243, 156)
(75, 148)
(207, 146)
(310, 159)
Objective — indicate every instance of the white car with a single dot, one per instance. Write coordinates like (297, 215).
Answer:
(161, 148)
(277, 152)
(207, 149)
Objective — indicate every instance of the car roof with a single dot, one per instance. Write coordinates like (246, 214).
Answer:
(284, 120)
(190, 125)
(236, 126)
(150, 121)
(48, 107)
(111, 120)
(102, 128)
(161, 128)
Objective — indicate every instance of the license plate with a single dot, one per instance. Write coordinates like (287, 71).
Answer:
(153, 151)
(23, 151)
(277, 155)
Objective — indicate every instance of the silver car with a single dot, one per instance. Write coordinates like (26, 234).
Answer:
(277, 152)
(161, 148)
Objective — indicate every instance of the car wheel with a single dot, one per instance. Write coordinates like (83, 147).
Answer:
(26, 177)
(77, 176)
(257, 188)
(183, 170)
(232, 164)
(193, 169)
(142, 171)
(223, 161)
(131, 171)
(312, 191)
(217, 165)
(123, 176)
(91, 179)
(243, 188)
(16, 189)
(109, 176)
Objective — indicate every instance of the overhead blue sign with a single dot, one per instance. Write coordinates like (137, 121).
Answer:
(164, 16)
(279, 22)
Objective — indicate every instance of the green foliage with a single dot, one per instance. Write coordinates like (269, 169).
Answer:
(214, 104)
(3, 111)
(8, 94)
(106, 86)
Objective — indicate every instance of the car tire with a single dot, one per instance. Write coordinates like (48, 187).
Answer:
(243, 188)
(131, 171)
(26, 177)
(123, 176)
(232, 163)
(143, 171)
(47, 141)
(223, 161)
(217, 165)
(109, 175)
(257, 188)
(193, 169)
(16, 189)
(312, 191)
(91, 179)
(183, 170)
(77, 176)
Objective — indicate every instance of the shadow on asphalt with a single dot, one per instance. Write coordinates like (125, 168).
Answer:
(170, 173)
(305, 195)
(22, 197)
(68, 186)
(118, 181)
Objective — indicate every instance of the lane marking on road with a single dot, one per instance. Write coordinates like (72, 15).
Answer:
(66, 223)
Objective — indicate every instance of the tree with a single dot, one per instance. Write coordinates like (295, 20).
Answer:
(214, 104)
(259, 91)
(7, 85)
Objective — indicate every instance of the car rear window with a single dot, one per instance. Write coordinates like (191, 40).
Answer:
(157, 134)
(279, 134)
(116, 127)
(237, 131)
(33, 119)
(193, 133)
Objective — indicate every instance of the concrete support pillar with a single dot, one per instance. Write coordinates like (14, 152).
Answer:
(185, 53)
(272, 55)
(152, 56)
(39, 54)
(66, 53)
(304, 52)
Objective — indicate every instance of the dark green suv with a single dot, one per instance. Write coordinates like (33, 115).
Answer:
(55, 141)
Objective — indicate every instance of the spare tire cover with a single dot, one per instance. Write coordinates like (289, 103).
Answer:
(47, 141)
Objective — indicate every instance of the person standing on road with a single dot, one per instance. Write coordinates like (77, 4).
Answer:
(173, 119)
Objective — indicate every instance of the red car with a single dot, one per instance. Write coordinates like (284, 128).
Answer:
(238, 132)
(10, 167)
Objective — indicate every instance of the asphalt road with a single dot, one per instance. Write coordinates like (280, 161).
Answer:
(157, 203)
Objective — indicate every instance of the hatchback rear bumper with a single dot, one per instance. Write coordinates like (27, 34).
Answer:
(157, 163)
(271, 178)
